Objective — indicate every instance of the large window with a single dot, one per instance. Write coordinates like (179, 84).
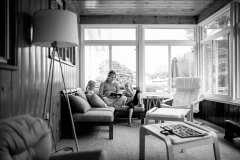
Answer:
(216, 66)
(169, 34)
(168, 53)
(156, 69)
(161, 69)
(96, 63)
(215, 53)
(152, 56)
(109, 34)
(107, 48)
(99, 60)
(125, 49)
(217, 25)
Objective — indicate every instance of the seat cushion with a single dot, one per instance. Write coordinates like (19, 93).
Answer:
(126, 109)
(94, 116)
(168, 112)
(24, 137)
(111, 109)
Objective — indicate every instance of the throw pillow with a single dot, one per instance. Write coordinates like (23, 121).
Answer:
(79, 104)
(95, 101)
(81, 94)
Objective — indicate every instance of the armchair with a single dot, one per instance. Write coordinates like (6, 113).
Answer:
(26, 137)
(185, 102)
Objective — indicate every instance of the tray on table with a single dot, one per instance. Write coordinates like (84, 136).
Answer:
(183, 131)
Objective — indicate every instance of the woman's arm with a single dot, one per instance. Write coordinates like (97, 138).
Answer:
(117, 88)
(101, 89)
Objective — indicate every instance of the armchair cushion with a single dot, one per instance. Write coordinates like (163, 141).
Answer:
(187, 91)
(24, 137)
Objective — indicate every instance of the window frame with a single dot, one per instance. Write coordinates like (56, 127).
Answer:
(168, 43)
(139, 43)
(9, 58)
(108, 43)
(233, 96)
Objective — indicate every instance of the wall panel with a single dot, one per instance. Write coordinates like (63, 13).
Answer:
(23, 90)
(6, 97)
(217, 113)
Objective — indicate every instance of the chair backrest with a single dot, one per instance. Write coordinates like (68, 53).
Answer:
(187, 90)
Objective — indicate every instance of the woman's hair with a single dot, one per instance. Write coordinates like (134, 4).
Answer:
(111, 72)
(90, 82)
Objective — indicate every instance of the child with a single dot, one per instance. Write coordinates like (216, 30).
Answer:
(90, 87)
(133, 99)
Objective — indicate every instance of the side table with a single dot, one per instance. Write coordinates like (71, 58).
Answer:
(173, 142)
(154, 99)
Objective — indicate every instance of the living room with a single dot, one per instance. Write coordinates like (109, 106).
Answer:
(25, 68)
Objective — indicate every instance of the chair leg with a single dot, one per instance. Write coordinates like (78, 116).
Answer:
(111, 130)
(115, 117)
(142, 117)
(146, 120)
(216, 147)
(188, 116)
(142, 144)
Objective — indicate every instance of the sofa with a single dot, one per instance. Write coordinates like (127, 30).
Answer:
(26, 137)
(95, 114)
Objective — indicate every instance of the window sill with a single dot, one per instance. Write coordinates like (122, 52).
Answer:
(222, 99)
(8, 67)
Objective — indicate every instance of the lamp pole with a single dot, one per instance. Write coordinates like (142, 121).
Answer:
(67, 98)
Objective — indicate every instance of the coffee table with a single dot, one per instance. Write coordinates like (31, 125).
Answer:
(174, 142)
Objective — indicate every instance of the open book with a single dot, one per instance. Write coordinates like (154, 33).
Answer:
(113, 94)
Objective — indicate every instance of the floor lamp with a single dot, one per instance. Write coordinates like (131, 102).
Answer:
(56, 29)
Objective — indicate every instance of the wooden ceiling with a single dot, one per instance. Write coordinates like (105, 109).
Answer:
(139, 7)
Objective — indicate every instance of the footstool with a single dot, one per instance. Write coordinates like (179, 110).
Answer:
(174, 142)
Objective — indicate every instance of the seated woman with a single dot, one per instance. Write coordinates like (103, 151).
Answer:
(110, 86)
(133, 99)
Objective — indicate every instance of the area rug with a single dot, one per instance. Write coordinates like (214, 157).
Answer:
(125, 144)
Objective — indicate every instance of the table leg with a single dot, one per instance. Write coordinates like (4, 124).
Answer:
(148, 104)
(216, 147)
(142, 144)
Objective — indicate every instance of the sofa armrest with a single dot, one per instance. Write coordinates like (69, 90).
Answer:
(96, 155)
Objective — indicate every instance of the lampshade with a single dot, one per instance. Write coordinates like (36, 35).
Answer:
(55, 26)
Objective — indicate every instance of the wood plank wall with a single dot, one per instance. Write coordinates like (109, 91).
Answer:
(217, 113)
(23, 90)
